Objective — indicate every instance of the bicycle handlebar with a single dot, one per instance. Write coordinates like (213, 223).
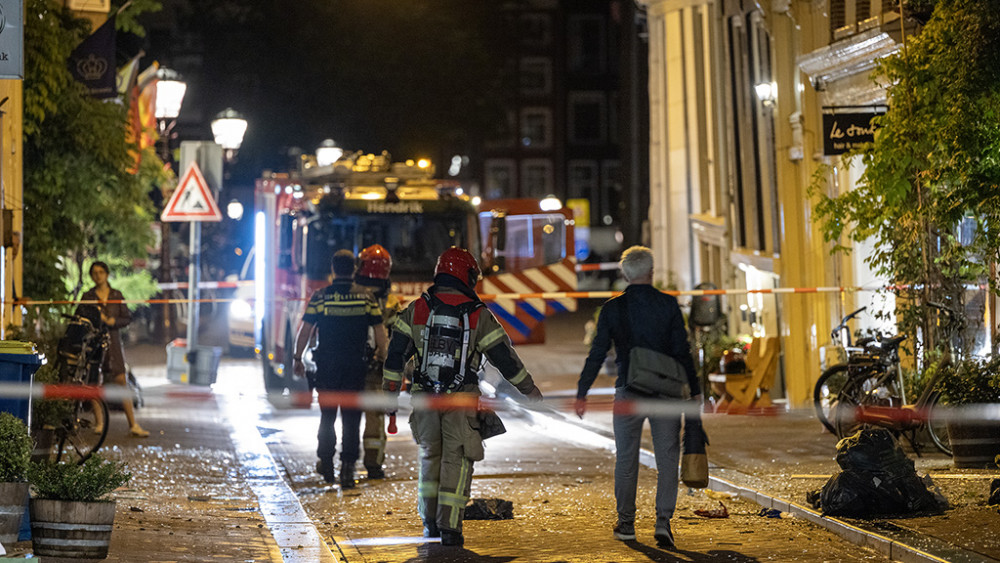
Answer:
(835, 333)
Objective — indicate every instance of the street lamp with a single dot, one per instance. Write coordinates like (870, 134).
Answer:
(766, 92)
(328, 152)
(170, 90)
(228, 129)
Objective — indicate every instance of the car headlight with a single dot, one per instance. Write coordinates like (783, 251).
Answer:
(240, 309)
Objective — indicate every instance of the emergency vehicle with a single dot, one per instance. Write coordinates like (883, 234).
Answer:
(303, 217)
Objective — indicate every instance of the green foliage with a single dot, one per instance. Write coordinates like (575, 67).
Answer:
(973, 381)
(90, 481)
(928, 195)
(80, 200)
(15, 448)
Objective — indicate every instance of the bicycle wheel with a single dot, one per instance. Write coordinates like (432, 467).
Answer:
(936, 424)
(82, 433)
(877, 390)
(825, 393)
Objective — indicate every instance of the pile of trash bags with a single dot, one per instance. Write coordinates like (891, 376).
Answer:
(877, 479)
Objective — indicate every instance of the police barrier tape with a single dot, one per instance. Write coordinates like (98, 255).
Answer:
(375, 401)
(488, 296)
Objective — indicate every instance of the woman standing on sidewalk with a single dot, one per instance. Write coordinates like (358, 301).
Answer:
(115, 315)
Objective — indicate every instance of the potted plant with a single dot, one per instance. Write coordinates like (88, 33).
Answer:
(974, 443)
(71, 514)
(15, 454)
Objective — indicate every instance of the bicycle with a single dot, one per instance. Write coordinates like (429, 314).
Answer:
(81, 429)
(833, 379)
(866, 402)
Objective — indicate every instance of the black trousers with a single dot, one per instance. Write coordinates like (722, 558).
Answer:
(350, 447)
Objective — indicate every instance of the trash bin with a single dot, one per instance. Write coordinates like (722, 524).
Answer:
(18, 363)
(205, 359)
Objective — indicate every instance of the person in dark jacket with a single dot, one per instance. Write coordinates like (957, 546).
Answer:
(115, 315)
(342, 314)
(641, 316)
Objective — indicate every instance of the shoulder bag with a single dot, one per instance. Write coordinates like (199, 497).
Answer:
(653, 373)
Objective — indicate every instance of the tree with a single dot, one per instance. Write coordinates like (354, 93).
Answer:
(80, 200)
(929, 195)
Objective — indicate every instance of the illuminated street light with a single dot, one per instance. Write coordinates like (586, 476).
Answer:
(170, 90)
(766, 92)
(328, 152)
(234, 210)
(228, 129)
(550, 203)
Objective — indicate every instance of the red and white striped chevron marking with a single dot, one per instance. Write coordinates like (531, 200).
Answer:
(521, 316)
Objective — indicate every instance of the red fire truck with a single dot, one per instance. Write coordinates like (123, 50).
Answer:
(302, 218)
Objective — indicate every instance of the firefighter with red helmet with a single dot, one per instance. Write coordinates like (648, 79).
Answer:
(449, 332)
(374, 265)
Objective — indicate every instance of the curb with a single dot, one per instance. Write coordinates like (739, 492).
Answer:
(897, 543)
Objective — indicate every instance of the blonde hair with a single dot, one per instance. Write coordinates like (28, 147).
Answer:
(636, 262)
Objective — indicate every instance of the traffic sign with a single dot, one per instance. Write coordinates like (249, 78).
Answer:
(192, 200)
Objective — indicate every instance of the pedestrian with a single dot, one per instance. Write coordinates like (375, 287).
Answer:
(449, 331)
(115, 316)
(641, 316)
(374, 265)
(342, 314)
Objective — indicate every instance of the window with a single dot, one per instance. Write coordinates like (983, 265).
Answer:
(506, 132)
(536, 178)
(500, 178)
(530, 241)
(536, 76)
(611, 191)
(587, 118)
(582, 179)
(536, 30)
(536, 128)
(587, 44)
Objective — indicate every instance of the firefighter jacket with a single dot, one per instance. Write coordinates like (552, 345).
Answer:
(487, 339)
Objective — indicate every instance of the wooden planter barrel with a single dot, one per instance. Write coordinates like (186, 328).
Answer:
(72, 529)
(974, 445)
(13, 497)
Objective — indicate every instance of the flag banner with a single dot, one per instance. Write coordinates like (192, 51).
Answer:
(93, 62)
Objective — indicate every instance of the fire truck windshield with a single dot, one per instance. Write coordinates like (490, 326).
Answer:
(414, 241)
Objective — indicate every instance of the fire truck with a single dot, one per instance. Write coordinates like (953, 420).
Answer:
(303, 217)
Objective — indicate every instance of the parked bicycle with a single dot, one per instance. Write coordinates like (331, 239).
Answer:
(83, 425)
(833, 379)
(878, 400)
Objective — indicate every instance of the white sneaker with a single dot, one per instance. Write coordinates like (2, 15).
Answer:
(138, 431)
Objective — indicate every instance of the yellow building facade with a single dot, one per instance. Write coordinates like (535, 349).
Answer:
(738, 89)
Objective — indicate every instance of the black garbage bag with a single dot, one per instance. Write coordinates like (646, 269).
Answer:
(489, 509)
(994, 492)
(877, 479)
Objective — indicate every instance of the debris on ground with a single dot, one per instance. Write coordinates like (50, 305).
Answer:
(877, 478)
(719, 495)
(720, 512)
(489, 509)
(774, 513)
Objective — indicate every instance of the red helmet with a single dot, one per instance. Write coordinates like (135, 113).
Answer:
(460, 263)
(375, 262)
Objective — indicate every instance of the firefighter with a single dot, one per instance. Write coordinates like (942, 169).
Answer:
(449, 331)
(374, 265)
(342, 314)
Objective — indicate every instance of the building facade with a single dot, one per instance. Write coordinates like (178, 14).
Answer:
(738, 89)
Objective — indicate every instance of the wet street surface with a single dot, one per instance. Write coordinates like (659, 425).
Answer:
(228, 477)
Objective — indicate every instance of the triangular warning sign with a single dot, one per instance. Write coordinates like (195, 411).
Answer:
(192, 200)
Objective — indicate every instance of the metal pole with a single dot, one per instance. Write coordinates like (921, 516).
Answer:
(194, 270)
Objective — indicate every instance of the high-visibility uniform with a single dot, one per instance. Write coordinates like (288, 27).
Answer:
(342, 315)
(373, 439)
(449, 440)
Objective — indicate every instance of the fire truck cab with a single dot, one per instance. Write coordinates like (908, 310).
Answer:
(364, 199)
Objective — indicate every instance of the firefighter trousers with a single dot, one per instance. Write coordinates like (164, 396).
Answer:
(374, 436)
(449, 443)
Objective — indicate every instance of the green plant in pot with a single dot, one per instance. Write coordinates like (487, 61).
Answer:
(974, 443)
(71, 512)
(15, 453)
